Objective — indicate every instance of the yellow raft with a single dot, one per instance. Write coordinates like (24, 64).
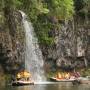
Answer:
(23, 78)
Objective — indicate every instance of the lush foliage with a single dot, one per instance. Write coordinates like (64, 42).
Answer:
(82, 7)
(41, 12)
(44, 14)
(61, 8)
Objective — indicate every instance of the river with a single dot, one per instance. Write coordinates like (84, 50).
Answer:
(52, 86)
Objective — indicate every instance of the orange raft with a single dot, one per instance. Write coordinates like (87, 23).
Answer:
(23, 78)
(63, 77)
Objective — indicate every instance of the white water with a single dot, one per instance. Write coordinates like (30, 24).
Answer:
(47, 82)
(33, 56)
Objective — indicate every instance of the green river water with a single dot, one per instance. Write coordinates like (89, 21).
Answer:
(55, 86)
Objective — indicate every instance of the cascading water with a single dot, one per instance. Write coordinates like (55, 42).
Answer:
(33, 56)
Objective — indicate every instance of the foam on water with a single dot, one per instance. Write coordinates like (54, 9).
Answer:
(47, 82)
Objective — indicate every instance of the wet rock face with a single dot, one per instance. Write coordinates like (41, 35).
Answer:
(88, 50)
(71, 41)
(12, 46)
(2, 77)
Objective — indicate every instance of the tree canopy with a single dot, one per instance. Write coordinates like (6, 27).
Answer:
(41, 11)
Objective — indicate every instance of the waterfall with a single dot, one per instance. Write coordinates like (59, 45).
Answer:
(33, 56)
